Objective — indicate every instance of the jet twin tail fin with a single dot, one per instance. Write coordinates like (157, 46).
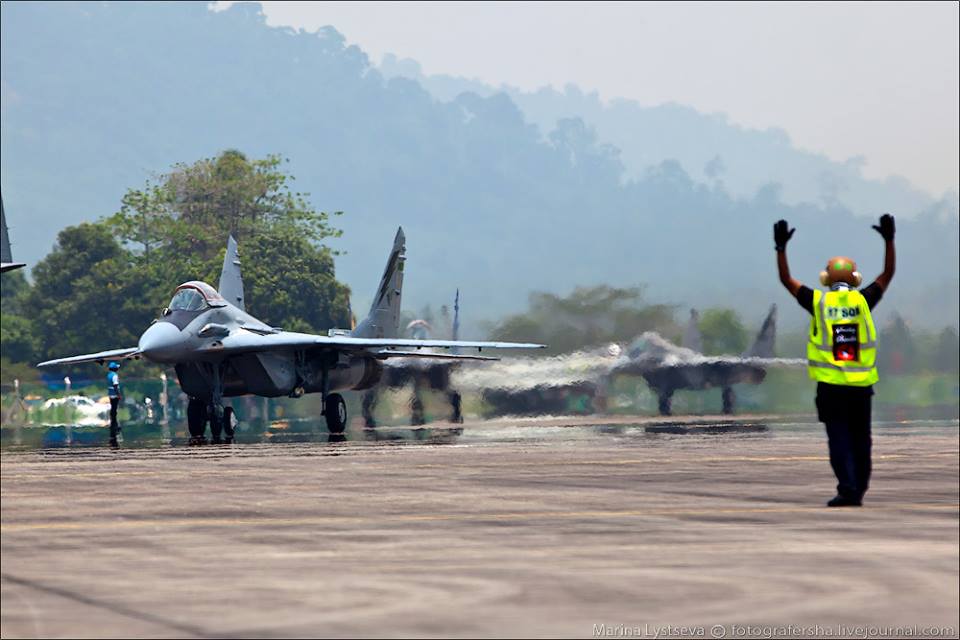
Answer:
(692, 338)
(763, 346)
(231, 282)
(383, 321)
(5, 255)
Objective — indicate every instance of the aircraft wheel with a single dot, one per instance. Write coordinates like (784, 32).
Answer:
(216, 424)
(335, 412)
(196, 418)
(416, 410)
(729, 400)
(229, 422)
(456, 404)
(663, 402)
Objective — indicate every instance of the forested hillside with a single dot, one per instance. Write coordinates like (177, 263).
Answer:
(97, 97)
(708, 146)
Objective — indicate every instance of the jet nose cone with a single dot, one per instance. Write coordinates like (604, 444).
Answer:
(160, 341)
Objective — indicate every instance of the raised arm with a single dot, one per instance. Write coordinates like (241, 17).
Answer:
(781, 236)
(887, 228)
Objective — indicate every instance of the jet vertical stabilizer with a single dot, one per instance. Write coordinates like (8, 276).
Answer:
(231, 283)
(763, 346)
(5, 255)
(456, 320)
(692, 338)
(383, 320)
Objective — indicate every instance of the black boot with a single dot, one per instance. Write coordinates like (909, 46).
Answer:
(844, 501)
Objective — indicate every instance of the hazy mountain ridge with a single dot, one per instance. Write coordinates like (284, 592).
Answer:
(709, 147)
(96, 97)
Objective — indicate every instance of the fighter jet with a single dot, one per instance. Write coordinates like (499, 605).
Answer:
(6, 259)
(579, 382)
(574, 382)
(219, 350)
(667, 367)
(420, 373)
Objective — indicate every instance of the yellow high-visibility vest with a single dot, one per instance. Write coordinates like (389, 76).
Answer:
(843, 339)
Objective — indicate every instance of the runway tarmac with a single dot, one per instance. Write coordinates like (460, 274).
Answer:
(512, 528)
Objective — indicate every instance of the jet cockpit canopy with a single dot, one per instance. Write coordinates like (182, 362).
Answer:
(195, 296)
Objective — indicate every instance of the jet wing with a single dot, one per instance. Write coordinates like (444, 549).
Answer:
(285, 340)
(392, 353)
(115, 354)
(753, 361)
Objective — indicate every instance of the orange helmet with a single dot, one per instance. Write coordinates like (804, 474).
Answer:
(840, 269)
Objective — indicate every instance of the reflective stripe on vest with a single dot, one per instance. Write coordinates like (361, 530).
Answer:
(844, 307)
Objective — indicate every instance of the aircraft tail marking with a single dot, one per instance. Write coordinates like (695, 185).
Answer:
(383, 321)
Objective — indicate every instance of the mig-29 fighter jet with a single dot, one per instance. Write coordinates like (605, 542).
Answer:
(421, 374)
(667, 367)
(220, 351)
(580, 382)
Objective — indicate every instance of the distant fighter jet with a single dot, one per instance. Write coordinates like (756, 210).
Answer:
(667, 367)
(219, 350)
(6, 259)
(563, 384)
(421, 373)
(579, 382)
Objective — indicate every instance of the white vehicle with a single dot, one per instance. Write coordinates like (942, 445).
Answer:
(89, 412)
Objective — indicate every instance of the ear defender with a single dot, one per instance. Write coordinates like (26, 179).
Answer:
(841, 269)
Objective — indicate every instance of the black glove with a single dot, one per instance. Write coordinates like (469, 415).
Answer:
(782, 235)
(887, 227)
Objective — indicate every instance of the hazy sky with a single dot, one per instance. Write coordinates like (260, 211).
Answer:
(877, 80)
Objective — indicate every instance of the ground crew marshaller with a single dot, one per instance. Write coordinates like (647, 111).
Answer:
(842, 355)
(113, 390)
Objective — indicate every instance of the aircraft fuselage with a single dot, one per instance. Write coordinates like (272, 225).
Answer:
(188, 339)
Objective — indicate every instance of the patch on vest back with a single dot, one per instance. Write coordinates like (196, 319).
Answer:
(846, 342)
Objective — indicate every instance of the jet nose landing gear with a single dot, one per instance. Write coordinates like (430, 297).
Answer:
(335, 411)
(197, 420)
(222, 422)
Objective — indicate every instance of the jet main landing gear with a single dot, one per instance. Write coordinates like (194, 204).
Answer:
(222, 422)
(664, 401)
(729, 400)
(335, 411)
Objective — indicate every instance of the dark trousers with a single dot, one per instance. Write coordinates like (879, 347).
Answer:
(114, 425)
(845, 411)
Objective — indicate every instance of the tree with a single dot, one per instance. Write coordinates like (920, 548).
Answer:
(94, 292)
(290, 282)
(589, 316)
(945, 359)
(13, 288)
(178, 225)
(17, 343)
(896, 351)
(723, 332)
(194, 207)
(78, 295)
